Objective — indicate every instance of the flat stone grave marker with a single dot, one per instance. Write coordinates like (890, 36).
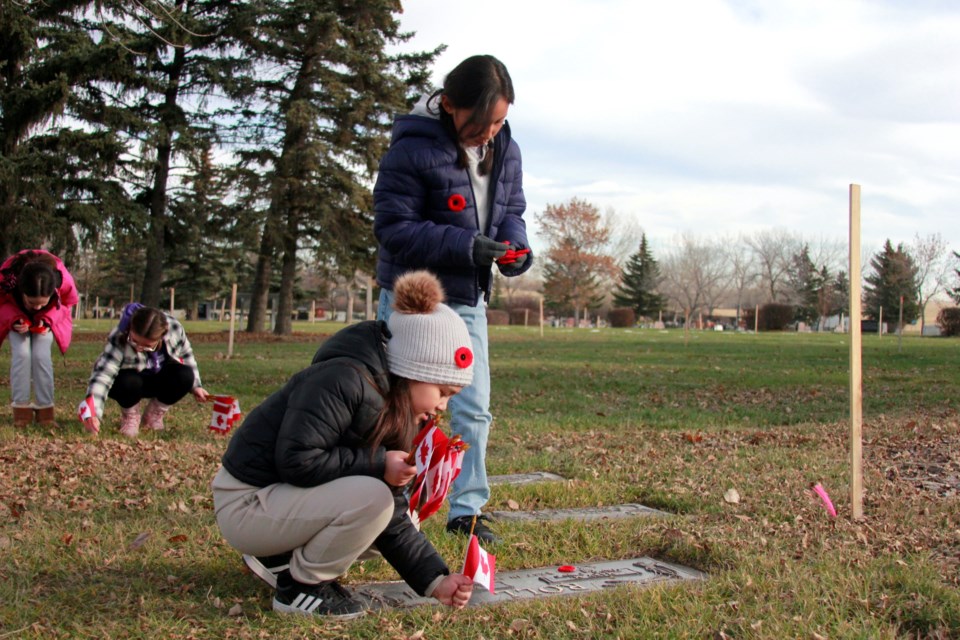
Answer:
(583, 513)
(524, 478)
(544, 582)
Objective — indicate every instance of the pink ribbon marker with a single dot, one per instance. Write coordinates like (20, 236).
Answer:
(820, 491)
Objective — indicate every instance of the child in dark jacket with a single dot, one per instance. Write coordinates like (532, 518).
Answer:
(313, 478)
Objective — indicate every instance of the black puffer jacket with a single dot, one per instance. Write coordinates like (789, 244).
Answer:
(316, 428)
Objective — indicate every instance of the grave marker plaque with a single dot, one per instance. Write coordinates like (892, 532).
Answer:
(585, 513)
(524, 478)
(539, 583)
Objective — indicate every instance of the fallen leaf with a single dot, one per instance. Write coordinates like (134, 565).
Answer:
(519, 624)
(235, 610)
(513, 504)
(139, 540)
(732, 496)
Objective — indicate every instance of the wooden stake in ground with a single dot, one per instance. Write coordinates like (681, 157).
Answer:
(233, 317)
(856, 386)
(541, 317)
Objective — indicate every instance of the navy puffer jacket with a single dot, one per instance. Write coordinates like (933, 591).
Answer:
(415, 198)
(316, 429)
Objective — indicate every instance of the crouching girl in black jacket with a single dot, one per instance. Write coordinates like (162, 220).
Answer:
(313, 477)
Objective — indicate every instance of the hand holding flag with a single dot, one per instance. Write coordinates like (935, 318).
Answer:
(479, 565)
(87, 412)
(438, 460)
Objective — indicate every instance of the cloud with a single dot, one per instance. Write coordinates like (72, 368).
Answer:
(727, 117)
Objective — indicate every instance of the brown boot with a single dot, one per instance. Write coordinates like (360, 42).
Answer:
(45, 417)
(22, 416)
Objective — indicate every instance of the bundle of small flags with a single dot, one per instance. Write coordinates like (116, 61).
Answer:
(439, 460)
(479, 565)
(226, 413)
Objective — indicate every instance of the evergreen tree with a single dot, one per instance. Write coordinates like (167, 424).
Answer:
(639, 282)
(894, 277)
(173, 59)
(841, 294)
(55, 179)
(211, 235)
(806, 284)
(323, 98)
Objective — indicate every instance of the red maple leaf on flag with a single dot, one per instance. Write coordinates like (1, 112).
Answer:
(479, 565)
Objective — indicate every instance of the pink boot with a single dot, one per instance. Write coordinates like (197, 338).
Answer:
(153, 416)
(130, 421)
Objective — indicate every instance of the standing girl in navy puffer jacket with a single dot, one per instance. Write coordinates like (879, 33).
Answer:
(449, 199)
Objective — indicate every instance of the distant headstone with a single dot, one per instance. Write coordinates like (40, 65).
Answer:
(524, 478)
(584, 513)
(539, 583)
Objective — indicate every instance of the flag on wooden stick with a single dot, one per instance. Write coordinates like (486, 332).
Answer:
(479, 565)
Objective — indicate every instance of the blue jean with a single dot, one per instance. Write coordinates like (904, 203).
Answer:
(30, 361)
(469, 412)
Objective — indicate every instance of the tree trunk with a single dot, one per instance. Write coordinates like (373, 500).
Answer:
(350, 300)
(156, 251)
(283, 326)
(257, 317)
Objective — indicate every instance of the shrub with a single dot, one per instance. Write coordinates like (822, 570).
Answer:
(498, 317)
(949, 321)
(524, 316)
(773, 317)
(622, 317)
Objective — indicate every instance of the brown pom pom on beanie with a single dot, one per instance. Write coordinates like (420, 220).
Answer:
(430, 341)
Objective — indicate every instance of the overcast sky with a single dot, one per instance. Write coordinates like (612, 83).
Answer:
(720, 118)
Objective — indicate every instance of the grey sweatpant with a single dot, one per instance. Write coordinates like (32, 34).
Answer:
(327, 527)
(30, 361)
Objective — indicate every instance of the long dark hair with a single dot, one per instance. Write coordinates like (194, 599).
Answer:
(395, 429)
(477, 83)
(37, 279)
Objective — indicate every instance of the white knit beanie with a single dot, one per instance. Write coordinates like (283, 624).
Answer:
(430, 342)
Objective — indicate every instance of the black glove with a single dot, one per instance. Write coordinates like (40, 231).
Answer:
(519, 260)
(485, 250)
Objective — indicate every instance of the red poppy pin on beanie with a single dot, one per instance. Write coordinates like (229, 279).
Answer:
(457, 202)
(463, 357)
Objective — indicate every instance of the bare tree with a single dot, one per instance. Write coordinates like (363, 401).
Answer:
(933, 269)
(695, 275)
(773, 249)
(625, 233)
(744, 270)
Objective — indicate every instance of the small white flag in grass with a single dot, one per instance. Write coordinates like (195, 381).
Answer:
(480, 566)
(226, 413)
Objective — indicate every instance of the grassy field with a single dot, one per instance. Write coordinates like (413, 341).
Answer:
(110, 538)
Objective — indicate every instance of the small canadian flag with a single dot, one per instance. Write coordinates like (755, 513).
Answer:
(226, 413)
(480, 566)
(87, 409)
